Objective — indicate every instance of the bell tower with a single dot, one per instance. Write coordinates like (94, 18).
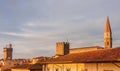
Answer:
(107, 34)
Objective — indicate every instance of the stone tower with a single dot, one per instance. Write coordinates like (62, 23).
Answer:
(8, 52)
(107, 35)
(62, 48)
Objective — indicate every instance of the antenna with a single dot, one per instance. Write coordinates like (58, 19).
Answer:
(67, 39)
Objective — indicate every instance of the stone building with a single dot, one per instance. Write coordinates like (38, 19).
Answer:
(8, 52)
(62, 48)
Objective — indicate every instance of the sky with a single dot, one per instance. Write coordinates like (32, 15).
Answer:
(34, 26)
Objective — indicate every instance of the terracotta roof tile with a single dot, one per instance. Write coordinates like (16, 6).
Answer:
(102, 55)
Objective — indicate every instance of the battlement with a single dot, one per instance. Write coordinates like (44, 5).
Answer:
(62, 48)
(62, 44)
(8, 52)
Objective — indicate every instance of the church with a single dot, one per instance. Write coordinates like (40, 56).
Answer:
(92, 58)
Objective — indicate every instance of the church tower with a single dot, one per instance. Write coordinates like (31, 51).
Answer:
(8, 52)
(107, 34)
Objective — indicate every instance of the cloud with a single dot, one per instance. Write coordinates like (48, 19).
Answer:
(33, 27)
(17, 34)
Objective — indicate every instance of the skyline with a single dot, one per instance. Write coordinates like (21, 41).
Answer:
(36, 26)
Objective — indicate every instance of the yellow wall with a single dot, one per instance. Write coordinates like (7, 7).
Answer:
(102, 66)
(64, 67)
(84, 67)
(109, 66)
(20, 70)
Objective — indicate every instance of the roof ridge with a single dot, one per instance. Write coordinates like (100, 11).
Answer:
(85, 47)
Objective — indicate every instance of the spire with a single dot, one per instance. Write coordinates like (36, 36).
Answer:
(107, 34)
(107, 26)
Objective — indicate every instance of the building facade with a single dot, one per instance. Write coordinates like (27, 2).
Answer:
(84, 67)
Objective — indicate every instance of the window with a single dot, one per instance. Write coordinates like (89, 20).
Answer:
(107, 43)
(57, 69)
(48, 69)
(68, 69)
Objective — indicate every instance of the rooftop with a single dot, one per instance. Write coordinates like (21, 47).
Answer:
(98, 47)
(103, 55)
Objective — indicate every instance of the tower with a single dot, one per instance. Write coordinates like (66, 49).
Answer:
(8, 52)
(62, 48)
(107, 34)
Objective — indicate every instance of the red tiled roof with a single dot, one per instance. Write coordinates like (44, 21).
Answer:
(102, 55)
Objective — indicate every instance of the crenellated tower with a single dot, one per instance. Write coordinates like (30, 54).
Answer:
(107, 34)
(62, 48)
(8, 52)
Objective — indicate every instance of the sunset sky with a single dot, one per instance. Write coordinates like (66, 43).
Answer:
(34, 26)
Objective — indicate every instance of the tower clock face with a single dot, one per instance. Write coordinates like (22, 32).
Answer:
(107, 35)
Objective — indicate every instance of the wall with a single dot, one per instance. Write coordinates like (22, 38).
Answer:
(109, 66)
(20, 70)
(84, 67)
(85, 49)
(62, 48)
(64, 67)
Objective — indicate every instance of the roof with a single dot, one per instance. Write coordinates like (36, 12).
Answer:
(98, 47)
(84, 49)
(103, 55)
(107, 26)
(28, 66)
